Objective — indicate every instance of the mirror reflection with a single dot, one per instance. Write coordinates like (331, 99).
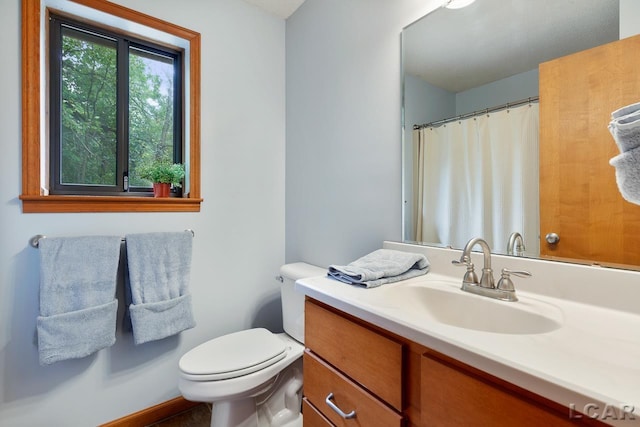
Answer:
(471, 87)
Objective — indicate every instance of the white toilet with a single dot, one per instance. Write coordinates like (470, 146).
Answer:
(253, 377)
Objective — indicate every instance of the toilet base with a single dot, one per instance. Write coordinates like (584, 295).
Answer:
(243, 414)
(240, 413)
(278, 406)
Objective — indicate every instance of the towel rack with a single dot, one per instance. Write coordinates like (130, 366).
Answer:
(35, 240)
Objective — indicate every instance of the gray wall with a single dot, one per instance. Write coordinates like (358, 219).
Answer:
(424, 102)
(343, 127)
(513, 88)
(239, 243)
(629, 18)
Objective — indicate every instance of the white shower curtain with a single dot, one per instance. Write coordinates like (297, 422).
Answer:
(478, 177)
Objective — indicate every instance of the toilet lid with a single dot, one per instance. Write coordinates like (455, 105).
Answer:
(234, 355)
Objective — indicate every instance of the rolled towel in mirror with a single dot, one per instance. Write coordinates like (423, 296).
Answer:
(627, 166)
(626, 131)
(626, 110)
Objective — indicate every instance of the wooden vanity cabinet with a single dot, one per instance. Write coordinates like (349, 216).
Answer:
(390, 381)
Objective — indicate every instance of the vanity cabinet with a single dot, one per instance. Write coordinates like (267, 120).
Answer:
(390, 381)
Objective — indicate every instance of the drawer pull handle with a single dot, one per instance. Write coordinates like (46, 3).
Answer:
(339, 411)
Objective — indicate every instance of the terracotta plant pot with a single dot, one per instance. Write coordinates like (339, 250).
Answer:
(161, 189)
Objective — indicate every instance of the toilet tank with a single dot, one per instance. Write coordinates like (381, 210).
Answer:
(293, 301)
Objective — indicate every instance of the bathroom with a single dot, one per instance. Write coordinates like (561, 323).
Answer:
(275, 93)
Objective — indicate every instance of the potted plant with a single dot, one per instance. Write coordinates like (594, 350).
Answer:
(163, 175)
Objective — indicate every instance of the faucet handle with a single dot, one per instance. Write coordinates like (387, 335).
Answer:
(470, 276)
(464, 261)
(505, 282)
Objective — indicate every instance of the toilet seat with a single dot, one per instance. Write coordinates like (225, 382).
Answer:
(233, 355)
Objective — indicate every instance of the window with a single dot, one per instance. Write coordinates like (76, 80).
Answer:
(114, 107)
(116, 102)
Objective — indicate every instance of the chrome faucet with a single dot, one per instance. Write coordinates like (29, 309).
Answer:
(485, 286)
(486, 280)
(516, 244)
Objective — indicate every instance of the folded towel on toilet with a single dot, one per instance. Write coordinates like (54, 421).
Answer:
(380, 267)
(159, 267)
(627, 166)
(78, 306)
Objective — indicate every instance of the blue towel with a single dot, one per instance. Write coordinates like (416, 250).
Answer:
(626, 110)
(627, 166)
(380, 267)
(77, 296)
(159, 269)
(625, 131)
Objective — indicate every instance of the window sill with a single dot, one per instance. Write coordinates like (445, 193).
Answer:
(69, 204)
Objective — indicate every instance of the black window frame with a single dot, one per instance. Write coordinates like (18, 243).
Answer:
(124, 43)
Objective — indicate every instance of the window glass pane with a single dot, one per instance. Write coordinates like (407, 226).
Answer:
(151, 111)
(88, 109)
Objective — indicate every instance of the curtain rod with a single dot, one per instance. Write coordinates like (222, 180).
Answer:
(478, 112)
(35, 240)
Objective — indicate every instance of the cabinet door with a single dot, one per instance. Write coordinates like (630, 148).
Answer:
(452, 397)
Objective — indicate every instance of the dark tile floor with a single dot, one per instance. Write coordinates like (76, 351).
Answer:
(198, 416)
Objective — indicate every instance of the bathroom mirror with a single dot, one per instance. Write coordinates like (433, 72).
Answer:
(459, 61)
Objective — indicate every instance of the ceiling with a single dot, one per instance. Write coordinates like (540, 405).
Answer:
(281, 8)
(493, 39)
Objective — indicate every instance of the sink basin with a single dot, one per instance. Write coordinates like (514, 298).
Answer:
(454, 307)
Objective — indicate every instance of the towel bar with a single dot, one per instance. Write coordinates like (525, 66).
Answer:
(35, 240)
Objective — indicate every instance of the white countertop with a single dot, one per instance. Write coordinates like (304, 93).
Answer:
(591, 362)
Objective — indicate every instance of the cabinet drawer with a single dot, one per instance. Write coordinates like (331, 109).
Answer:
(367, 357)
(311, 417)
(320, 380)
